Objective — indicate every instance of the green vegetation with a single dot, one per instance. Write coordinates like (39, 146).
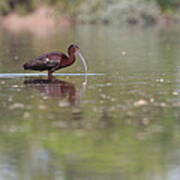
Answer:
(26, 6)
(168, 4)
(98, 11)
(7, 6)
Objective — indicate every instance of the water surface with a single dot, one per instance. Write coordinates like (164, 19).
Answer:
(122, 125)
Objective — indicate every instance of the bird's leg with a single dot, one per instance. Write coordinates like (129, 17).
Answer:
(50, 76)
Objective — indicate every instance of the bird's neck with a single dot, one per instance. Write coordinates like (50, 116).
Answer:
(72, 57)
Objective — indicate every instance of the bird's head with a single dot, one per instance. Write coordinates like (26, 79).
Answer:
(73, 49)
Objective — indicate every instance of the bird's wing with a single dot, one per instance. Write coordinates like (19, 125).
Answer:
(46, 61)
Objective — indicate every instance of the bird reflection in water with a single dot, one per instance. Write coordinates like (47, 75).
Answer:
(61, 90)
(55, 88)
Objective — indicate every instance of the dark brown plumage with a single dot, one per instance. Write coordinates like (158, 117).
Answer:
(53, 61)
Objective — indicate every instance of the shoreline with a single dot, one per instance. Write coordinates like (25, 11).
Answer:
(41, 21)
(44, 21)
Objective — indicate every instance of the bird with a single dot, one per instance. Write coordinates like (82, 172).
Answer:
(54, 61)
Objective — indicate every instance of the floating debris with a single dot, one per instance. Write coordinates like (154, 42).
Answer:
(45, 97)
(26, 115)
(152, 100)
(17, 106)
(161, 80)
(63, 104)
(15, 86)
(109, 84)
(10, 99)
(42, 107)
(175, 93)
(124, 53)
(16, 57)
(103, 96)
(140, 103)
(113, 99)
(162, 104)
(3, 82)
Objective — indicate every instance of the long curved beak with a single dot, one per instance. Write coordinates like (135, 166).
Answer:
(83, 61)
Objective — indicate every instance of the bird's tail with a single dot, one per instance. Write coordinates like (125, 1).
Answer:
(26, 66)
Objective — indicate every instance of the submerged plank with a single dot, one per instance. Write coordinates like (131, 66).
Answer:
(15, 75)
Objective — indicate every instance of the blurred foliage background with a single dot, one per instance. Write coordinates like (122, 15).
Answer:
(98, 11)
(145, 12)
(7, 6)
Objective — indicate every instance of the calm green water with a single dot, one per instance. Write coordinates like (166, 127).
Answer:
(122, 125)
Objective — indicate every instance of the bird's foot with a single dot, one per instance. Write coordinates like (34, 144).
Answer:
(50, 76)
